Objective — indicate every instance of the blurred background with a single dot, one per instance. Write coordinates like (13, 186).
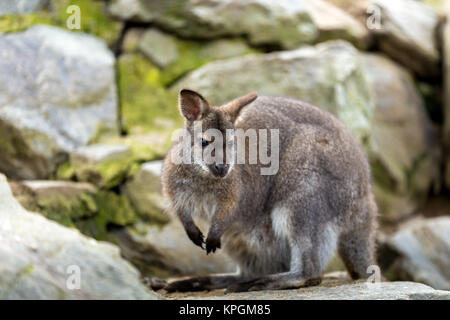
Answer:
(88, 103)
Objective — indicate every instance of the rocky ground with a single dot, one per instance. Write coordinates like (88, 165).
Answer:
(86, 116)
(335, 286)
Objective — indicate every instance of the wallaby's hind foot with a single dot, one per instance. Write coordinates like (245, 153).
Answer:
(287, 280)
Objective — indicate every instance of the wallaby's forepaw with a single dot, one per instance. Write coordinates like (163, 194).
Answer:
(195, 235)
(156, 283)
(212, 243)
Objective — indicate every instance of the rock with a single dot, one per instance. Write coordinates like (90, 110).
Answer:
(75, 204)
(20, 6)
(404, 147)
(144, 192)
(224, 48)
(334, 23)
(131, 38)
(406, 30)
(98, 153)
(147, 107)
(421, 251)
(408, 34)
(437, 5)
(328, 75)
(105, 165)
(446, 111)
(283, 23)
(165, 251)
(175, 57)
(94, 20)
(335, 286)
(160, 48)
(40, 259)
(55, 96)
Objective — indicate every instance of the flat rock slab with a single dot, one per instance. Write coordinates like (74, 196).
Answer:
(334, 287)
(97, 153)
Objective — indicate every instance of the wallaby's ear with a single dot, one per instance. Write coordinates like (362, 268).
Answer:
(233, 107)
(192, 105)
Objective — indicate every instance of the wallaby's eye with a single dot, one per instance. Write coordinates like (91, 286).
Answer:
(204, 143)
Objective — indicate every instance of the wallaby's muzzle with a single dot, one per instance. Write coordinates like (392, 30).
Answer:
(219, 170)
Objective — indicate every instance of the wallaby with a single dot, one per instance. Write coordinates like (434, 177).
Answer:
(280, 229)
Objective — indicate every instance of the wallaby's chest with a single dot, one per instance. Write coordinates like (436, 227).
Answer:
(201, 205)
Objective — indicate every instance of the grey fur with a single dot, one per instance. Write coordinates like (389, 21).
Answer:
(282, 229)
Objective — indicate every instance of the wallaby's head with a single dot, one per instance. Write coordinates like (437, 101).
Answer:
(211, 131)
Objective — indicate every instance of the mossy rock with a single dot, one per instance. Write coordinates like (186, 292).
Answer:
(175, 57)
(147, 106)
(105, 175)
(144, 191)
(112, 172)
(194, 54)
(93, 20)
(76, 205)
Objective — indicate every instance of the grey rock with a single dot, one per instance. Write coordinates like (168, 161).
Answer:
(224, 48)
(335, 286)
(422, 249)
(20, 6)
(144, 192)
(57, 93)
(407, 33)
(37, 257)
(334, 23)
(98, 153)
(404, 149)
(159, 47)
(167, 251)
(48, 187)
(285, 23)
(328, 75)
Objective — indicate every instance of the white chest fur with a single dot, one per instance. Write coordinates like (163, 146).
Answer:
(203, 207)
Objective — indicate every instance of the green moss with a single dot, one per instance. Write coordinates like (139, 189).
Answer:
(65, 171)
(190, 57)
(115, 209)
(27, 270)
(110, 173)
(147, 106)
(65, 209)
(113, 172)
(194, 54)
(16, 23)
(93, 20)
(89, 210)
(381, 175)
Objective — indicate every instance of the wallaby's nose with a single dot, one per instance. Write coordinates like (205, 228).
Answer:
(220, 170)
